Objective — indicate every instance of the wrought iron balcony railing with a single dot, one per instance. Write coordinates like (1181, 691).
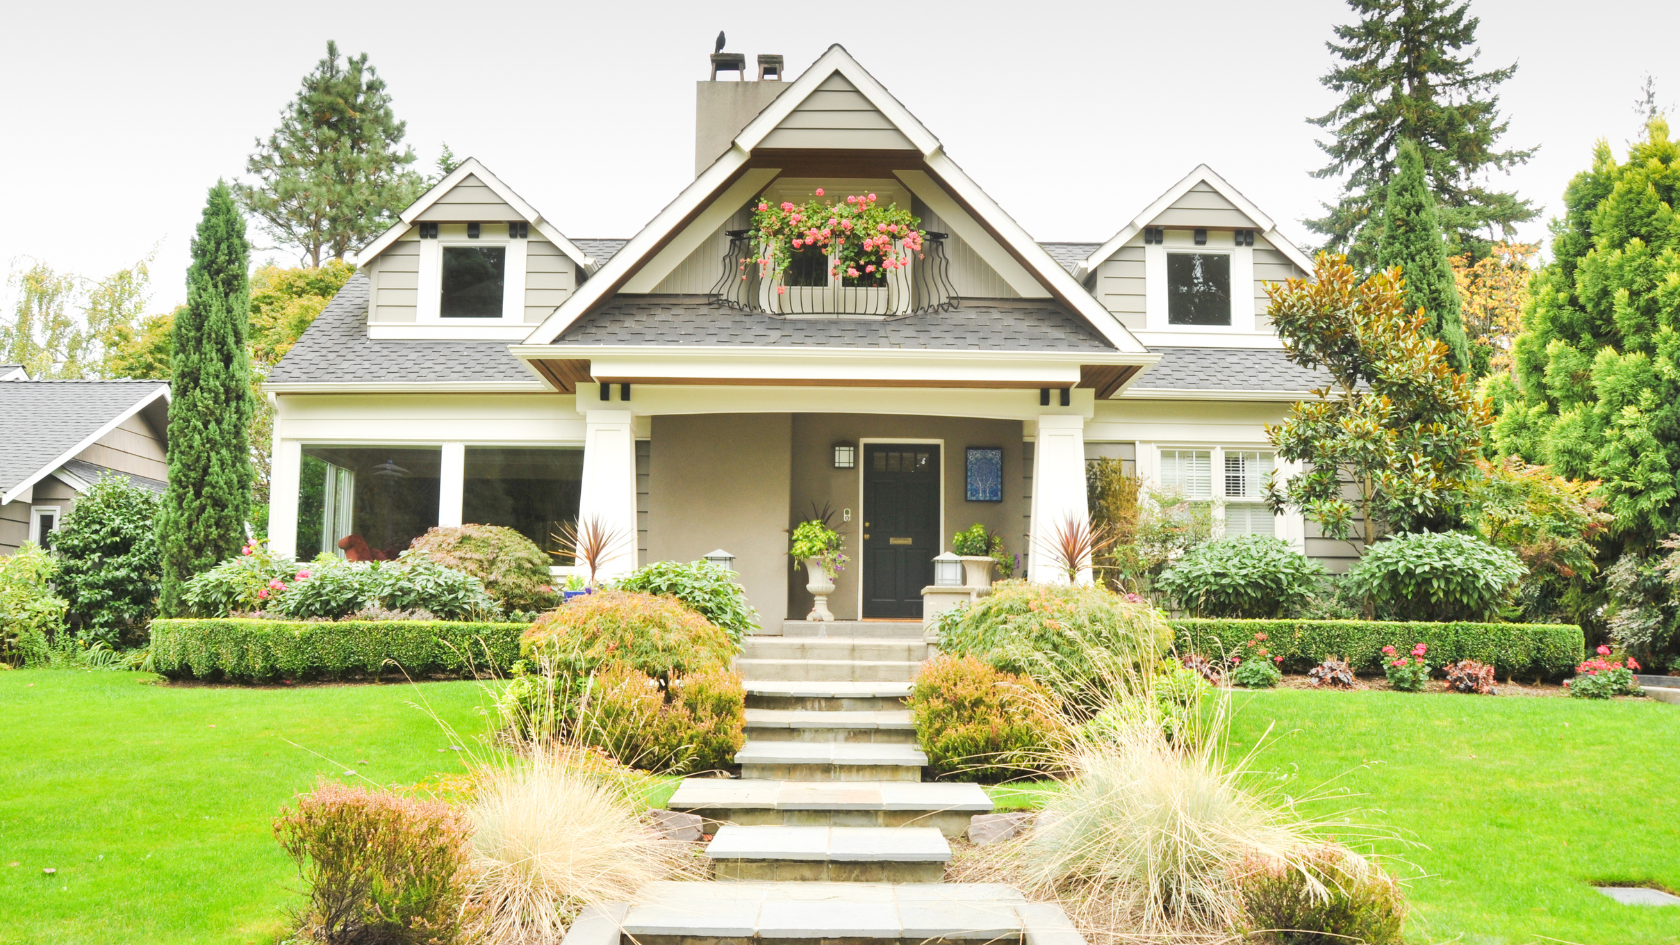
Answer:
(923, 286)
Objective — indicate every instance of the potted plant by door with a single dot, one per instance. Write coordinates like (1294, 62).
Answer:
(819, 547)
(979, 551)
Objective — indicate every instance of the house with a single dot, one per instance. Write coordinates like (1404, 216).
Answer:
(484, 367)
(59, 437)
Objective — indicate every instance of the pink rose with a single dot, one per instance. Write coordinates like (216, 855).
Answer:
(1603, 651)
(871, 197)
(245, 550)
(303, 575)
(798, 243)
(852, 271)
(263, 593)
(851, 199)
(868, 268)
(763, 206)
(880, 228)
(781, 290)
(893, 228)
(847, 224)
(819, 191)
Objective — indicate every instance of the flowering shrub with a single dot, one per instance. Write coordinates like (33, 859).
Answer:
(1471, 676)
(859, 240)
(240, 584)
(1603, 677)
(978, 724)
(1526, 650)
(1409, 673)
(814, 539)
(1256, 667)
(1333, 673)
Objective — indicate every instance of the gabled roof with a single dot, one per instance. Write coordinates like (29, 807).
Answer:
(472, 168)
(45, 424)
(1201, 175)
(730, 171)
(13, 372)
(1226, 374)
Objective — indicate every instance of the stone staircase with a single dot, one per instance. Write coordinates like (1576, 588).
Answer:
(830, 832)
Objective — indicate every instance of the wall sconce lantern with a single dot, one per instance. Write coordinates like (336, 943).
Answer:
(947, 570)
(845, 456)
(722, 559)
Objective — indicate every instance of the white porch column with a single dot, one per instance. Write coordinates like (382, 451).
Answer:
(286, 466)
(452, 474)
(608, 495)
(1058, 491)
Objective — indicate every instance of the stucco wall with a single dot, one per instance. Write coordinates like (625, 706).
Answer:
(721, 481)
(816, 480)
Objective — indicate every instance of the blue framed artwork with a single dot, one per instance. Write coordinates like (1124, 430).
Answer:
(985, 474)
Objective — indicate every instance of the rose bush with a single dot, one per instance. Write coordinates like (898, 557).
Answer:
(860, 240)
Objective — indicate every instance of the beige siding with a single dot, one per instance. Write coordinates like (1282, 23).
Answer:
(970, 275)
(470, 201)
(1120, 282)
(396, 282)
(14, 526)
(837, 115)
(132, 447)
(697, 274)
(1202, 206)
(549, 279)
(1270, 265)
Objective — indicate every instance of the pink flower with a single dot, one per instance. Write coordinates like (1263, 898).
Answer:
(868, 268)
(276, 584)
(797, 242)
(880, 228)
(1235, 660)
(263, 593)
(852, 271)
(1389, 650)
(819, 191)
(1633, 663)
(851, 199)
(1277, 659)
(872, 198)
(781, 290)
(763, 206)
(1603, 651)
(1259, 636)
(1419, 650)
(303, 575)
(245, 550)
(847, 224)
(893, 228)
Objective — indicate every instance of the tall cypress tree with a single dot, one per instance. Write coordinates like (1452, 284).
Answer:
(1407, 71)
(203, 517)
(1411, 238)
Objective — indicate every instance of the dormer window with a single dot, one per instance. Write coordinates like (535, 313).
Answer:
(1198, 289)
(474, 282)
(471, 275)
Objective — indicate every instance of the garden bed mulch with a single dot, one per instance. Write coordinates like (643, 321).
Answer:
(1380, 683)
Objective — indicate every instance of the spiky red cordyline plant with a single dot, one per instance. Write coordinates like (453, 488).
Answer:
(591, 541)
(1075, 544)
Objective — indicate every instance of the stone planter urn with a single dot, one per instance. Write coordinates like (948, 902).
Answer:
(821, 584)
(977, 570)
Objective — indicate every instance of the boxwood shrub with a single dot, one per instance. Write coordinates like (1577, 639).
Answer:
(1522, 650)
(251, 650)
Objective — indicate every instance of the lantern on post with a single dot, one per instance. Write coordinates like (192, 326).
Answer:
(722, 559)
(947, 570)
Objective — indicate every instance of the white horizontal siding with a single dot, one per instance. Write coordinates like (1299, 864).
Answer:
(1120, 285)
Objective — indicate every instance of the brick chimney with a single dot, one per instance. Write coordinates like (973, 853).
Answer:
(723, 108)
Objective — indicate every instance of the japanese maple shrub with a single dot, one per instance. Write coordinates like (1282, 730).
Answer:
(514, 570)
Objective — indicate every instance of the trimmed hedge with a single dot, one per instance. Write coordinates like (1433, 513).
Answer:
(1524, 650)
(247, 650)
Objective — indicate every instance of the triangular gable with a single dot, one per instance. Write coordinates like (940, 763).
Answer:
(837, 115)
(477, 186)
(1219, 196)
(729, 182)
(144, 395)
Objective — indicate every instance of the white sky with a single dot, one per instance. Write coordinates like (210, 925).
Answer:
(118, 117)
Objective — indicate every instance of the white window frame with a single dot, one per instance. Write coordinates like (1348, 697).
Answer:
(1183, 241)
(1218, 498)
(428, 306)
(1225, 499)
(35, 513)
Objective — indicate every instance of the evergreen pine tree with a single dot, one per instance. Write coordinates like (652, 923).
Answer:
(202, 521)
(332, 176)
(1411, 239)
(1407, 72)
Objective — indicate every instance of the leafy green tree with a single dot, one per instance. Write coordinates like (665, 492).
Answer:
(108, 567)
(1411, 239)
(335, 173)
(1407, 71)
(1597, 387)
(1391, 442)
(144, 350)
(210, 470)
(65, 326)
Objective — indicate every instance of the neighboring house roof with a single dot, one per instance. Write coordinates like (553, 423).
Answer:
(471, 168)
(1201, 175)
(80, 474)
(336, 351)
(693, 320)
(1220, 372)
(13, 372)
(1070, 255)
(44, 424)
(601, 250)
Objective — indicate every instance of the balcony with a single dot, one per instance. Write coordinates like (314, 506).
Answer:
(923, 286)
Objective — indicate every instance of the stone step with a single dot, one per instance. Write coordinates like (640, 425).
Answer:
(897, 629)
(837, 854)
(837, 670)
(833, 648)
(885, 726)
(679, 913)
(811, 696)
(945, 805)
(830, 761)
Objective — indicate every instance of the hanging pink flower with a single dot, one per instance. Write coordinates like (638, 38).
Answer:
(763, 206)
(852, 271)
(797, 242)
(868, 268)
(781, 290)
(819, 191)
(303, 575)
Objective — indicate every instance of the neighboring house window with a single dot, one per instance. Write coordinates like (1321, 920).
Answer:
(474, 279)
(1245, 490)
(43, 521)
(1187, 473)
(366, 503)
(1198, 289)
(533, 490)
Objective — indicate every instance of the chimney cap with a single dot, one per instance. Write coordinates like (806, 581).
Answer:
(729, 62)
(769, 65)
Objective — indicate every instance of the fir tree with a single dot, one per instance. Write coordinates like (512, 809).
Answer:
(332, 176)
(1411, 239)
(1407, 71)
(203, 517)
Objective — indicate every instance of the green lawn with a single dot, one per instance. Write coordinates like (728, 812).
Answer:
(153, 803)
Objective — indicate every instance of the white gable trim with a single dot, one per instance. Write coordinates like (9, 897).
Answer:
(836, 59)
(162, 390)
(471, 168)
(701, 229)
(1201, 175)
(16, 373)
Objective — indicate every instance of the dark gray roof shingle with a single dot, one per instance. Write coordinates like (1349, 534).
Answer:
(1227, 369)
(337, 349)
(42, 420)
(986, 324)
(1070, 255)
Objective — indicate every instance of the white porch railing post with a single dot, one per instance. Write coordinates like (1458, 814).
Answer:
(608, 495)
(1058, 493)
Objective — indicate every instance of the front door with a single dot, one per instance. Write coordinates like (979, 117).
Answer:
(900, 526)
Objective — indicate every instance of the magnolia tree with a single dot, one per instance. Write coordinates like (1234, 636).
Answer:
(1390, 443)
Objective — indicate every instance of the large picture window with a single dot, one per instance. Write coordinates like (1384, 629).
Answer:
(1198, 289)
(474, 278)
(366, 503)
(534, 491)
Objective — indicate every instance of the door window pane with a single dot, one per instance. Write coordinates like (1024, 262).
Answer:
(473, 278)
(366, 503)
(1188, 473)
(533, 491)
(1198, 289)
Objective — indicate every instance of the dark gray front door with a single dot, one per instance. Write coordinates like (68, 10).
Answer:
(900, 526)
